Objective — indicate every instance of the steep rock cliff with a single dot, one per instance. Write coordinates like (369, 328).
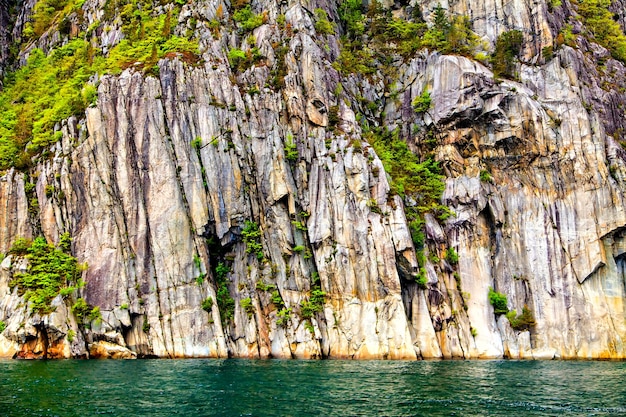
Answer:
(166, 178)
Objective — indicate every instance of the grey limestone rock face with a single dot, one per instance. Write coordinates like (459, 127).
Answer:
(163, 175)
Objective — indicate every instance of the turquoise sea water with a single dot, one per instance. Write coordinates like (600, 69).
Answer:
(312, 388)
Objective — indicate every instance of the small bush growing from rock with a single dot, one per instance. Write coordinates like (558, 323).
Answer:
(452, 257)
(485, 176)
(252, 238)
(421, 279)
(422, 103)
(315, 304)
(498, 301)
(246, 304)
(207, 304)
(522, 322)
(322, 25)
(284, 315)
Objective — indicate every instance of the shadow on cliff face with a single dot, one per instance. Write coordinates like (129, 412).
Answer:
(7, 11)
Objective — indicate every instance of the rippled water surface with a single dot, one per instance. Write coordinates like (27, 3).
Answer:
(311, 388)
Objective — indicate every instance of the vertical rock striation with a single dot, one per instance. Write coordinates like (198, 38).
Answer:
(165, 179)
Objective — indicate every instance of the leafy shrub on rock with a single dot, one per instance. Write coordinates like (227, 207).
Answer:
(498, 301)
(49, 271)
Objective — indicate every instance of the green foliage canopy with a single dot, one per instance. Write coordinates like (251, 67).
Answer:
(49, 270)
(498, 301)
(508, 46)
(605, 30)
(523, 321)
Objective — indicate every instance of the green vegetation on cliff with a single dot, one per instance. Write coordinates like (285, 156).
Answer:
(314, 304)
(51, 271)
(409, 175)
(508, 46)
(451, 35)
(45, 91)
(225, 301)
(605, 30)
(47, 13)
(85, 313)
(373, 40)
(420, 180)
(522, 321)
(498, 301)
(251, 235)
(53, 87)
(207, 304)
(374, 35)
(247, 20)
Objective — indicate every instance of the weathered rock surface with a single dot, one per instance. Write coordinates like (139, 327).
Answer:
(157, 182)
(108, 350)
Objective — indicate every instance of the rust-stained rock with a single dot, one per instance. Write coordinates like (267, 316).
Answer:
(108, 350)
(317, 112)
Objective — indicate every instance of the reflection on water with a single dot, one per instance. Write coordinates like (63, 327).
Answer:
(312, 388)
